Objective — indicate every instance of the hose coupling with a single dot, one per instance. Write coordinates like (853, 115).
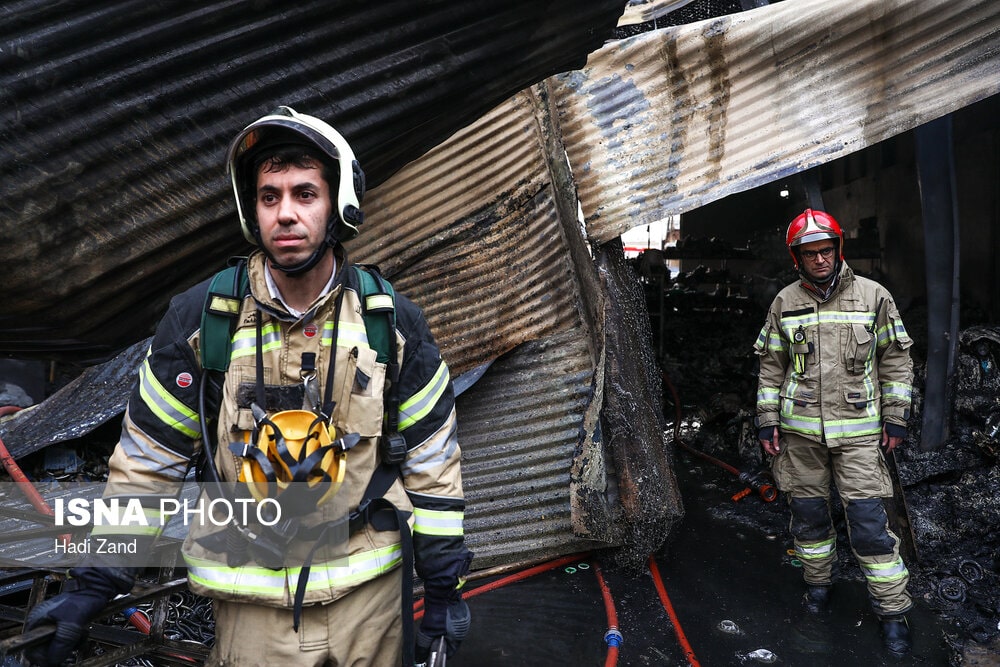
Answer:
(613, 637)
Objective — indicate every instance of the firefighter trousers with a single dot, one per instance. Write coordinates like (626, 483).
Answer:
(362, 628)
(804, 470)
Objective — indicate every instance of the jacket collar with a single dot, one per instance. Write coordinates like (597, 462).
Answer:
(269, 301)
(844, 277)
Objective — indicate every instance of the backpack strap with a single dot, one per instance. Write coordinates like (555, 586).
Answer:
(378, 308)
(218, 318)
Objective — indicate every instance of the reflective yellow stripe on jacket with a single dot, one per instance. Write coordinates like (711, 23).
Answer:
(165, 406)
(245, 341)
(437, 522)
(273, 584)
(420, 404)
(349, 334)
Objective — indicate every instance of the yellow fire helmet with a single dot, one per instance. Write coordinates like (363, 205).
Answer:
(294, 449)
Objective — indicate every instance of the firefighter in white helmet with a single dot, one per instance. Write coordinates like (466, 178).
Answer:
(307, 414)
(835, 385)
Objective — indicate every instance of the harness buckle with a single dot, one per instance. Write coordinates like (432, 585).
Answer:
(392, 448)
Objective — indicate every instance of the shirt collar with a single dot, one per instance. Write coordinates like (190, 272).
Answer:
(275, 293)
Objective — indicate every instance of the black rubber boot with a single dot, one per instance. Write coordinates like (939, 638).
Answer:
(896, 635)
(816, 599)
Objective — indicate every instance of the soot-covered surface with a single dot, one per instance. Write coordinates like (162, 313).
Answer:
(732, 585)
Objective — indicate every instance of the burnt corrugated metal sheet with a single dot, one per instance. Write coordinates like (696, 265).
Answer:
(115, 117)
(482, 233)
(670, 120)
(641, 11)
(97, 395)
(517, 453)
(471, 233)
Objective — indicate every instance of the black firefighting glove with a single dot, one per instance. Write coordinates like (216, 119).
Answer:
(84, 596)
(442, 618)
(895, 430)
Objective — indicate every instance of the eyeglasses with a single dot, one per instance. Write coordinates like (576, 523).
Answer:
(825, 253)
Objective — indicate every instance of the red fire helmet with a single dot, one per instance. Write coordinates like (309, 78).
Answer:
(811, 226)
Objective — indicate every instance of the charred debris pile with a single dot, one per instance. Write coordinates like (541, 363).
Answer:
(951, 495)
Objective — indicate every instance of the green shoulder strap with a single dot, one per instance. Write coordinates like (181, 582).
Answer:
(218, 318)
(378, 310)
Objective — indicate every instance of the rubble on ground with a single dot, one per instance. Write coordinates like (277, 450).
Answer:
(951, 494)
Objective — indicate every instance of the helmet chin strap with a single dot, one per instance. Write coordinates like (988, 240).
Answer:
(309, 262)
(303, 266)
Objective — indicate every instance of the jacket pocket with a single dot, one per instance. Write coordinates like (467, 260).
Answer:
(795, 400)
(859, 397)
(360, 409)
(860, 344)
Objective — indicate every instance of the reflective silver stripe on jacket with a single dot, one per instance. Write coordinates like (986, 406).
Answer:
(846, 428)
(768, 395)
(805, 425)
(437, 522)
(435, 450)
(898, 390)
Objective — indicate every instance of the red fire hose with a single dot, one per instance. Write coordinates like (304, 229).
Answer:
(612, 637)
(669, 607)
(23, 483)
(766, 490)
(17, 474)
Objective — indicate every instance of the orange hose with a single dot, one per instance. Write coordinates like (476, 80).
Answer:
(23, 483)
(509, 579)
(709, 458)
(767, 492)
(665, 599)
(609, 607)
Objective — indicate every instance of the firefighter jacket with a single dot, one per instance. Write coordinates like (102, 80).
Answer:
(834, 370)
(162, 432)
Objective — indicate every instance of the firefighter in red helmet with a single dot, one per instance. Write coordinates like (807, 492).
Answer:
(835, 384)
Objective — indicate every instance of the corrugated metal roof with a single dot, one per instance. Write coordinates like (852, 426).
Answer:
(115, 117)
(667, 121)
(471, 233)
